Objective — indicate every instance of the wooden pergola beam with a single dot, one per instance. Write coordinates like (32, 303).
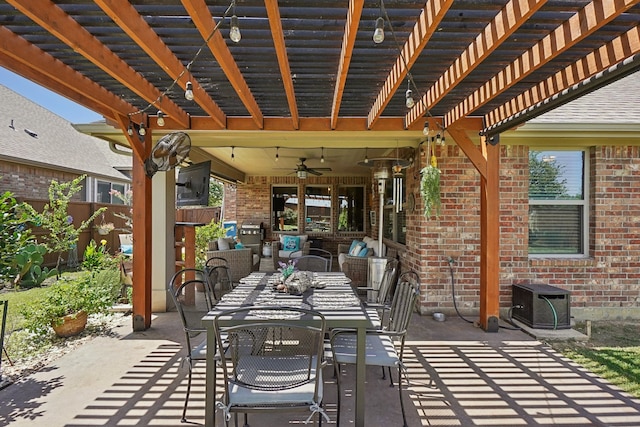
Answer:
(127, 17)
(54, 20)
(22, 57)
(275, 23)
(205, 23)
(582, 24)
(348, 41)
(600, 59)
(506, 22)
(427, 23)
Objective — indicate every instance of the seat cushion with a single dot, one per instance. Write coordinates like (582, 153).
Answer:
(380, 350)
(302, 395)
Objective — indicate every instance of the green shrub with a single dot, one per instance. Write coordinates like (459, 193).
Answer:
(92, 294)
(205, 234)
(14, 234)
(97, 257)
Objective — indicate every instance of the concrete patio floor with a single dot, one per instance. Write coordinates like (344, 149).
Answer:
(461, 376)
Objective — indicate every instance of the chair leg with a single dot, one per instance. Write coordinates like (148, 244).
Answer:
(186, 398)
(404, 417)
(336, 370)
(391, 377)
(384, 375)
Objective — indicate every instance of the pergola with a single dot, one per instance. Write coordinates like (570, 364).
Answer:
(306, 71)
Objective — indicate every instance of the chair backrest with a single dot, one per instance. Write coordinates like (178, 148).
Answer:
(190, 312)
(404, 300)
(388, 281)
(218, 272)
(313, 263)
(275, 352)
(197, 277)
(412, 277)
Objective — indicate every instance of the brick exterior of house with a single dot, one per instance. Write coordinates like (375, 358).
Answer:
(32, 182)
(605, 284)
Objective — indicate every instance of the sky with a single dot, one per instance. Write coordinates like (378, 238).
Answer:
(53, 102)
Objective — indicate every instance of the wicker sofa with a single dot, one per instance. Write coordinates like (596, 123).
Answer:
(356, 268)
(241, 261)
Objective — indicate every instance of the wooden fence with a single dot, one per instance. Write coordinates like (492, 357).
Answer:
(80, 211)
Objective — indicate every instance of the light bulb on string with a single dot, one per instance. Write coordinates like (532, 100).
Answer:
(188, 93)
(366, 155)
(438, 139)
(322, 156)
(142, 131)
(409, 101)
(234, 32)
(160, 120)
(277, 153)
(233, 154)
(378, 34)
(425, 129)
(130, 129)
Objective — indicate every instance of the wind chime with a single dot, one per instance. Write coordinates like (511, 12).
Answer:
(397, 187)
(397, 183)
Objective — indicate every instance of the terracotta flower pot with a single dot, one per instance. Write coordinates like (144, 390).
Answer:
(72, 325)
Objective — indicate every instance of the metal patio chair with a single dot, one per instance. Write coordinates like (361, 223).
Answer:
(273, 363)
(380, 343)
(183, 295)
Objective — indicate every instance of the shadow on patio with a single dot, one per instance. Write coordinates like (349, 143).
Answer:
(461, 376)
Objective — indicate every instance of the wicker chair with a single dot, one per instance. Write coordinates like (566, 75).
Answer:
(357, 268)
(241, 261)
(275, 252)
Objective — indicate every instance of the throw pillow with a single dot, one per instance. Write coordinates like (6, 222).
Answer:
(357, 247)
(223, 244)
(239, 245)
(353, 245)
(291, 243)
(364, 252)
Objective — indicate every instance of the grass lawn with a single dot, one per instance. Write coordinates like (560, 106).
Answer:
(613, 352)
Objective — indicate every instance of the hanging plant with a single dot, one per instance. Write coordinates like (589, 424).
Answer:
(430, 186)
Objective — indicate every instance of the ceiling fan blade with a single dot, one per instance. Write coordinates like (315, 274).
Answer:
(322, 169)
(314, 172)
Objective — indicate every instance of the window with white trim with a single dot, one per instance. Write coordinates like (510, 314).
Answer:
(558, 203)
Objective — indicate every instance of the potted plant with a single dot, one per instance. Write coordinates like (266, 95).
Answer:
(66, 304)
(430, 187)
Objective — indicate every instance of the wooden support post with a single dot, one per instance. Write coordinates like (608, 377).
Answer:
(490, 240)
(141, 301)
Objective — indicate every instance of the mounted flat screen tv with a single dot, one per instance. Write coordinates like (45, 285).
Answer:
(193, 185)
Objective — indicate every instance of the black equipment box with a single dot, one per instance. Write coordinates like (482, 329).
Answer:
(543, 306)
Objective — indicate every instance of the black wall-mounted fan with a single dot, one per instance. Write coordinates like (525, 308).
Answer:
(168, 152)
(302, 170)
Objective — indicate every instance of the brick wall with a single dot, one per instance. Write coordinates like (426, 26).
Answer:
(32, 182)
(603, 285)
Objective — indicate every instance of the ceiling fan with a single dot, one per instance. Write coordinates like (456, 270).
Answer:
(303, 170)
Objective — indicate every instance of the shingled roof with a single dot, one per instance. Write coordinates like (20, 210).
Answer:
(614, 103)
(31, 134)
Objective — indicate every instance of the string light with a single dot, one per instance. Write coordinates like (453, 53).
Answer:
(233, 154)
(366, 156)
(130, 129)
(277, 153)
(378, 34)
(188, 93)
(409, 102)
(425, 129)
(322, 156)
(142, 131)
(160, 119)
(234, 33)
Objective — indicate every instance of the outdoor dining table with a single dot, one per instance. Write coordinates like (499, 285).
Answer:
(332, 296)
